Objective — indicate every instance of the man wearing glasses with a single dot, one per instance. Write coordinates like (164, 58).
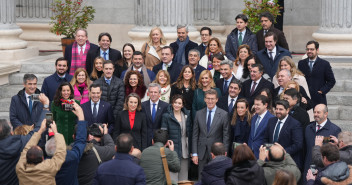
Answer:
(205, 35)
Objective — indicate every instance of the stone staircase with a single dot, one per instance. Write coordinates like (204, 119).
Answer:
(41, 66)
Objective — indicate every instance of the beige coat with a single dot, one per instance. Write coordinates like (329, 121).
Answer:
(43, 173)
(151, 60)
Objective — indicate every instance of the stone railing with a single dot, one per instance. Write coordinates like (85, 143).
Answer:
(33, 11)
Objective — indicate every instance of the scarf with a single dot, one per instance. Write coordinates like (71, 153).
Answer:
(77, 60)
(181, 51)
(77, 95)
(144, 73)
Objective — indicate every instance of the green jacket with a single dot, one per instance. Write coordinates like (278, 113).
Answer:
(271, 167)
(153, 167)
(65, 122)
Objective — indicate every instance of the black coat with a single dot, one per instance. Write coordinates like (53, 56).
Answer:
(246, 89)
(174, 70)
(245, 173)
(201, 48)
(213, 172)
(68, 54)
(138, 132)
(189, 46)
(300, 115)
(280, 35)
(224, 105)
(187, 95)
(114, 56)
(105, 114)
(303, 93)
(220, 84)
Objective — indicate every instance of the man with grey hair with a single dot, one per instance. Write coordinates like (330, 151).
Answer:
(76, 53)
(182, 45)
(193, 58)
(154, 109)
(226, 72)
(25, 107)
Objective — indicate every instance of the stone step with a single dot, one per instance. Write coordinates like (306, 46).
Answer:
(17, 78)
(342, 71)
(343, 124)
(4, 115)
(7, 91)
(339, 98)
(338, 112)
(40, 64)
(5, 104)
(342, 86)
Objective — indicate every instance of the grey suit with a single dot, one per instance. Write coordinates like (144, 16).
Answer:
(202, 140)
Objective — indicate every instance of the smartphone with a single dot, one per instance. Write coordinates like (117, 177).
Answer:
(268, 145)
(35, 97)
(313, 168)
(49, 119)
(235, 144)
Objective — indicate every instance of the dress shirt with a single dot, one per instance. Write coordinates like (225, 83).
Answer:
(92, 106)
(261, 117)
(62, 77)
(257, 82)
(280, 90)
(108, 79)
(321, 125)
(151, 106)
(28, 98)
(312, 60)
(274, 52)
(102, 54)
(139, 70)
(164, 65)
(212, 115)
(282, 124)
(229, 100)
(82, 47)
(243, 34)
(131, 117)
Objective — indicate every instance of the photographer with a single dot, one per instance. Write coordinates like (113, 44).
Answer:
(99, 148)
(26, 108)
(276, 158)
(343, 142)
(32, 168)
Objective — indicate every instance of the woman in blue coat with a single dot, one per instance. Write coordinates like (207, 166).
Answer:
(178, 123)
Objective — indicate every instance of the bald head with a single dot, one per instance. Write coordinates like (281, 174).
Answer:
(320, 113)
(276, 154)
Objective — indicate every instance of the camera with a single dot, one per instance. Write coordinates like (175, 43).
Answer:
(268, 145)
(35, 97)
(327, 139)
(235, 144)
(67, 107)
(49, 119)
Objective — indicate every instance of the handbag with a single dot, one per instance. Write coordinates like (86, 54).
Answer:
(166, 167)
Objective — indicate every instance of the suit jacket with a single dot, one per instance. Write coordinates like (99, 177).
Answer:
(320, 79)
(198, 70)
(174, 70)
(270, 67)
(68, 54)
(300, 115)
(156, 124)
(138, 132)
(223, 103)
(303, 93)
(105, 114)
(189, 46)
(114, 56)
(281, 41)
(290, 137)
(258, 139)
(219, 132)
(246, 89)
(220, 84)
(201, 49)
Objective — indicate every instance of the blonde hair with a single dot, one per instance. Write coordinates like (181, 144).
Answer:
(286, 87)
(94, 73)
(203, 73)
(292, 64)
(74, 78)
(162, 39)
(166, 75)
(23, 130)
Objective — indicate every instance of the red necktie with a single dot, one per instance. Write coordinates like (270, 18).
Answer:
(253, 88)
(81, 52)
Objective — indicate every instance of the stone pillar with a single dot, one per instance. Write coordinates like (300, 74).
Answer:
(335, 32)
(166, 14)
(11, 46)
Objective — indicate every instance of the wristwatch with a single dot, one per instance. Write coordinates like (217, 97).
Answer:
(46, 106)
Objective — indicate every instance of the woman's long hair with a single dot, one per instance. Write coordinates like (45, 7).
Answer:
(58, 94)
(74, 78)
(237, 61)
(220, 49)
(140, 90)
(94, 73)
(247, 114)
(179, 82)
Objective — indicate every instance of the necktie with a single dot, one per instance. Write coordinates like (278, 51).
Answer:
(81, 52)
(104, 55)
(166, 66)
(95, 113)
(311, 65)
(153, 112)
(256, 125)
(108, 81)
(265, 31)
(271, 56)
(276, 133)
(209, 121)
(30, 104)
(318, 127)
(253, 88)
(240, 39)
(225, 87)
(231, 105)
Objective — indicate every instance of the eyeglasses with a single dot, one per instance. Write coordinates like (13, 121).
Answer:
(204, 35)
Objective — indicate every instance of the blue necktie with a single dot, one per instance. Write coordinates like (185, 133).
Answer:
(276, 133)
(209, 121)
(153, 112)
(256, 125)
(231, 105)
(225, 87)
(311, 65)
(108, 81)
(104, 55)
(30, 105)
(95, 112)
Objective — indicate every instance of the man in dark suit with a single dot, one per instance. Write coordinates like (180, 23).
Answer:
(172, 67)
(259, 124)
(182, 45)
(205, 35)
(322, 126)
(228, 102)
(227, 76)
(76, 53)
(271, 55)
(252, 87)
(286, 131)
(319, 75)
(267, 20)
(210, 125)
(103, 50)
(96, 110)
(193, 58)
(240, 35)
(154, 110)
(297, 112)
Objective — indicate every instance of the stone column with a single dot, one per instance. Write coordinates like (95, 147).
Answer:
(335, 32)
(166, 14)
(11, 46)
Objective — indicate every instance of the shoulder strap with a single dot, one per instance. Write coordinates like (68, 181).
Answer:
(97, 154)
(146, 46)
(166, 167)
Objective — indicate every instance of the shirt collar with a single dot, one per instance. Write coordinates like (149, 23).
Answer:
(322, 124)
(151, 103)
(274, 50)
(262, 115)
(108, 79)
(284, 120)
(139, 70)
(258, 80)
(243, 32)
(212, 110)
(229, 98)
(107, 51)
(168, 64)
(63, 76)
(92, 103)
(26, 94)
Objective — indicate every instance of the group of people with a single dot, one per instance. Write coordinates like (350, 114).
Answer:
(242, 115)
